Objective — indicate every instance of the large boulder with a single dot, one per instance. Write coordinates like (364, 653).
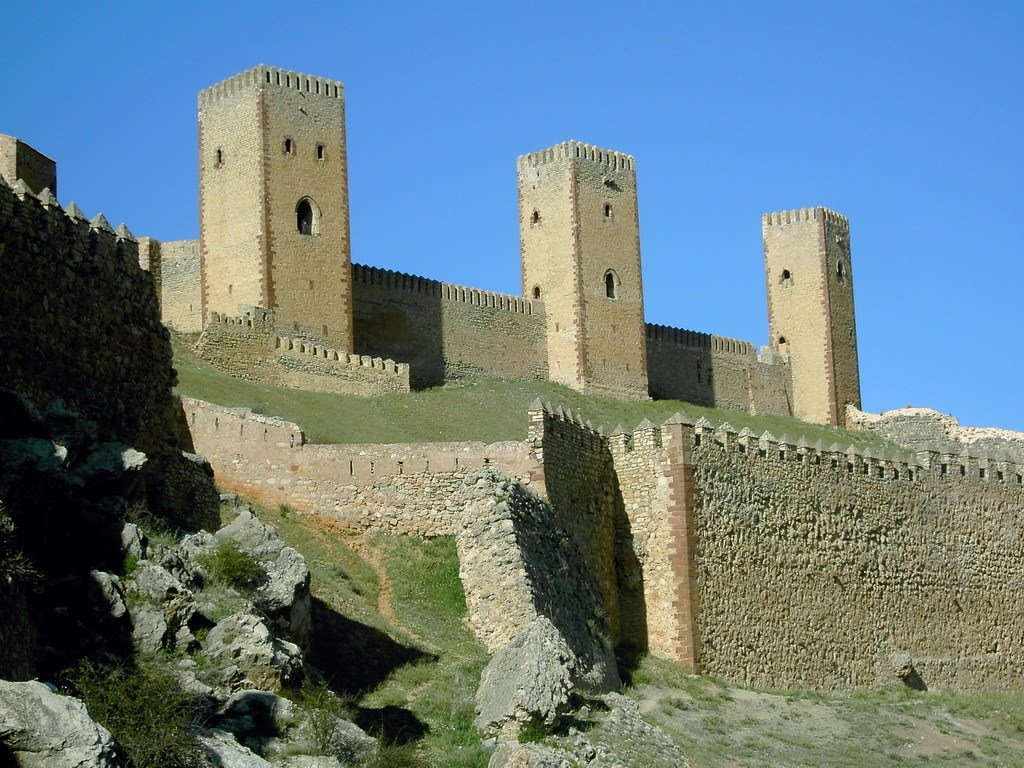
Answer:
(528, 681)
(45, 729)
(251, 657)
(222, 751)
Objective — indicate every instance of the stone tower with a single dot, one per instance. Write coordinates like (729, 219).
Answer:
(580, 242)
(273, 201)
(810, 309)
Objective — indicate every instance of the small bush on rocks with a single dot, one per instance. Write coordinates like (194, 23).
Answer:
(146, 712)
(232, 566)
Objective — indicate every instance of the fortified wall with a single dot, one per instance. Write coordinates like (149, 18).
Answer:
(772, 562)
(447, 332)
(402, 488)
(249, 346)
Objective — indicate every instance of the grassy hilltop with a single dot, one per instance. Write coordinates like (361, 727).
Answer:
(487, 411)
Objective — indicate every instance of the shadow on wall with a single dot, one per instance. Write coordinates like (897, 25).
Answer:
(400, 324)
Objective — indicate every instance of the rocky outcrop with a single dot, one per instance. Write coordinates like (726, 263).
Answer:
(512, 755)
(529, 681)
(284, 599)
(251, 657)
(42, 728)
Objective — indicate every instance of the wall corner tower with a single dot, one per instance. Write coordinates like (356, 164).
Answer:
(810, 309)
(273, 201)
(580, 247)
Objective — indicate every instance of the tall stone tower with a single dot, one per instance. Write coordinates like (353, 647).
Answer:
(20, 161)
(273, 201)
(810, 309)
(580, 242)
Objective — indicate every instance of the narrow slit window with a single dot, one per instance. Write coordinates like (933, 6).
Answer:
(607, 210)
(319, 151)
(289, 146)
(611, 284)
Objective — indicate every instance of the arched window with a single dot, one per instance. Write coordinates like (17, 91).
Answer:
(307, 217)
(536, 291)
(611, 284)
(786, 276)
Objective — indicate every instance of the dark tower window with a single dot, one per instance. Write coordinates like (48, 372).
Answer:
(782, 342)
(536, 291)
(319, 151)
(535, 218)
(307, 217)
(840, 272)
(786, 275)
(220, 158)
(288, 146)
(607, 210)
(611, 284)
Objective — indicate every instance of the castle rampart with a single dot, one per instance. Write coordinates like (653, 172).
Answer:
(445, 331)
(714, 370)
(770, 561)
(402, 488)
(249, 346)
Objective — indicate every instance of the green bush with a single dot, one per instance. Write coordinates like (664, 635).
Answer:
(232, 566)
(323, 709)
(146, 712)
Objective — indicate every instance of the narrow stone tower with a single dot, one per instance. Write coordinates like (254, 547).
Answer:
(810, 309)
(273, 201)
(580, 241)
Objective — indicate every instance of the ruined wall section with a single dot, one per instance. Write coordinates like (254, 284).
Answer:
(918, 428)
(815, 566)
(716, 371)
(249, 347)
(447, 332)
(400, 488)
(20, 161)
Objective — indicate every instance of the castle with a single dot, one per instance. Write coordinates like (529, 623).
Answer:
(274, 241)
(766, 559)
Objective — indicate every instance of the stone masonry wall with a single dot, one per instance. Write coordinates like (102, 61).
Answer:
(446, 331)
(402, 488)
(580, 486)
(789, 565)
(79, 320)
(181, 289)
(247, 346)
(716, 371)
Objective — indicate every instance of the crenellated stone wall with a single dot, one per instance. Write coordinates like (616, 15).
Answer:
(773, 562)
(444, 331)
(716, 371)
(249, 347)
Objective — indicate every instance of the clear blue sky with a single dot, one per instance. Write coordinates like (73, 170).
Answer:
(904, 116)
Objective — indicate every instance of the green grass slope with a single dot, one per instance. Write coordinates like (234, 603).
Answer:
(488, 411)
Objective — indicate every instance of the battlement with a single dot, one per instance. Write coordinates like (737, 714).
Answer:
(262, 76)
(322, 351)
(575, 150)
(401, 281)
(700, 340)
(804, 214)
(894, 465)
(92, 236)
